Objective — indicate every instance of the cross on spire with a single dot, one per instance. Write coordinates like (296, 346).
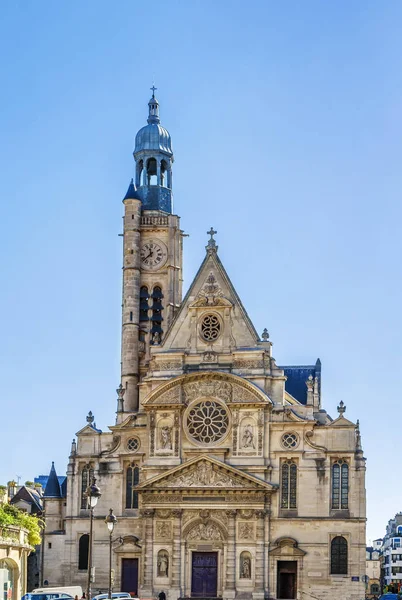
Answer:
(211, 242)
(153, 88)
(211, 232)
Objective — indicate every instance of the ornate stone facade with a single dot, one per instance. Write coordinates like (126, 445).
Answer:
(226, 475)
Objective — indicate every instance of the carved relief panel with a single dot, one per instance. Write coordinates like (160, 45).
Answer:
(248, 432)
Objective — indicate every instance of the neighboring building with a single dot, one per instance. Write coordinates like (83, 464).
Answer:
(392, 552)
(14, 552)
(29, 499)
(373, 571)
(225, 465)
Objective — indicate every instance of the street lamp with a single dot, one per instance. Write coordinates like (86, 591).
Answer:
(93, 494)
(110, 522)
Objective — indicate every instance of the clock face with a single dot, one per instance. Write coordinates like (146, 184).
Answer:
(153, 255)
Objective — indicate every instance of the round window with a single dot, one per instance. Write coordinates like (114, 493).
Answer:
(210, 328)
(207, 421)
(133, 444)
(290, 440)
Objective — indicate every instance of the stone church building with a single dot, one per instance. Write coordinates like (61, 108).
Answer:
(227, 476)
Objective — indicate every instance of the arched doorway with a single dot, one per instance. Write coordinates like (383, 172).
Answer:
(8, 578)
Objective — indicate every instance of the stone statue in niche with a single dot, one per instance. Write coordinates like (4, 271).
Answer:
(245, 567)
(248, 437)
(165, 437)
(163, 564)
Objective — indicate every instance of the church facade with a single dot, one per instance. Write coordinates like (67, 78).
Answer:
(226, 475)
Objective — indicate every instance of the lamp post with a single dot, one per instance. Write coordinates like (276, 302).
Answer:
(93, 494)
(110, 522)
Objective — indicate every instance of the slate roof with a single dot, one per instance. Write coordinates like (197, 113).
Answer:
(53, 488)
(29, 495)
(132, 193)
(296, 379)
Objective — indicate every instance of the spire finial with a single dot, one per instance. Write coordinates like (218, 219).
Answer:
(341, 408)
(211, 246)
(90, 418)
(153, 88)
(265, 335)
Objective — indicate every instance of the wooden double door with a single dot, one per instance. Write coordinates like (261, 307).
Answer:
(204, 574)
(129, 575)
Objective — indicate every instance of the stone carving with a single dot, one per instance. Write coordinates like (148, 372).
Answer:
(246, 531)
(176, 432)
(165, 437)
(245, 567)
(171, 396)
(205, 531)
(248, 364)
(211, 293)
(163, 514)
(247, 440)
(152, 432)
(210, 357)
(205, 474)
(202, 389)
(163, 529)
(163, 563)
(166, 365)
(162, 498)
(242, 394)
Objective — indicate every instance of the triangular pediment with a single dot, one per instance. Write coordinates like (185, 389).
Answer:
(88, 430)
(204, 472)
(211, 290)
(341, 421)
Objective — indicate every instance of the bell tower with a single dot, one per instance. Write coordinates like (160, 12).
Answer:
(152, 254)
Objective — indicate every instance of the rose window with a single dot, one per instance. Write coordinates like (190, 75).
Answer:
(290, 440)
(133, 444)
(210, 328)
(207, 421)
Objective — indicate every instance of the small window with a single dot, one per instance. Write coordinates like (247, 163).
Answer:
(289, 485)
(210, 328)
(132, 480)
(86, 479)
(131, 315)
(49, 545)
(340, 485)
(339, 556)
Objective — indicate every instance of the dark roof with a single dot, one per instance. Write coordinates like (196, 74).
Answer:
(132, 193)
(296, 379)
(29, 495)
(63, 488)
(52, 489)
(42, 479)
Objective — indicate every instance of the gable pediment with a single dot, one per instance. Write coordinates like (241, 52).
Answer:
(206, 473)
(227, 387)
(341, 421)
(211, 290)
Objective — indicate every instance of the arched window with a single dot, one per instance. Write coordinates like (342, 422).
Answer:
(340, 485)
(86, 479)
(157, 307)
(144, 297)
(152, 172)
(289, 485)
(132, 479)
(83, 548)
(164, 174)
(339, 556)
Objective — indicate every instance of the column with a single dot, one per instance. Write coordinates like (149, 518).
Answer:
(148, 554)
(175, 590)
(267, 543)
(259, 555)
(230, 584)
(158, 172)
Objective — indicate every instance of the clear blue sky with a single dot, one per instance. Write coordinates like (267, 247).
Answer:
(286, 125)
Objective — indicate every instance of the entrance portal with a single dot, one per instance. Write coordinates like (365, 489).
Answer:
(129, 575)
(204, 576)
(287, 579)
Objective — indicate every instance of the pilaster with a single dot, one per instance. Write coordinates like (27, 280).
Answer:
(230, 584)
(148, 553)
